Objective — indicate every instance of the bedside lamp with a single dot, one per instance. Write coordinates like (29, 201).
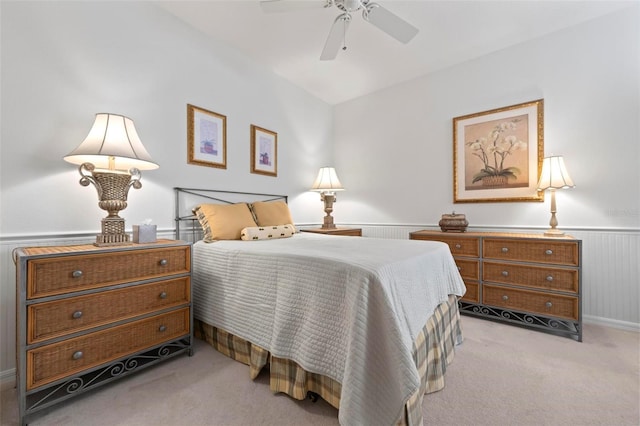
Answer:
(327, 183)
(554, 176)
(110, 158)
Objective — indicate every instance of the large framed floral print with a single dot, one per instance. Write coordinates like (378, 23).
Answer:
(497, 154)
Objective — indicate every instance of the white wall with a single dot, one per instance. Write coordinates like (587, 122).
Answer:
(394, 149)
(62, 62)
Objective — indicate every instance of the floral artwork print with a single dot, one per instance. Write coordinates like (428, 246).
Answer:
(496, 154)
(264, 151)
(206, 137)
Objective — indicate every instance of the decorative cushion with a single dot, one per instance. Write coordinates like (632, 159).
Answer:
(267, 232)
(270, 213)
(223, 222)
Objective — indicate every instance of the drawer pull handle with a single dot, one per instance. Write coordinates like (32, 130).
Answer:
(163, 295)
(77, 355)
(505, 249)
(458, 246)
(548, 304)
(505, 297)
(163, 262)
(77, 274)
(549, 278)
(548, 251)
(162, 328)
(505, 273)
(77, 315)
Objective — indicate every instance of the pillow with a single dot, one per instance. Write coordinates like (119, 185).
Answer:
(223, 222)
(267, 232)
(271, 213)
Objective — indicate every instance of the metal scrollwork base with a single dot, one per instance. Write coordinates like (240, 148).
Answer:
(552, 325)
(41, 398)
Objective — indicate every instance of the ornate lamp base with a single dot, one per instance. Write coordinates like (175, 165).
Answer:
(112, 233)
(112, 187)
(328, 199)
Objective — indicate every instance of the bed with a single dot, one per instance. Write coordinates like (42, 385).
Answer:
(367, 324)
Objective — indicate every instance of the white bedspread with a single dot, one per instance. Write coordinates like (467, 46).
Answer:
(348, 308)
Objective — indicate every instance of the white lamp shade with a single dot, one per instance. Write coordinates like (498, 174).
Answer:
(327, 181)
(554, 174)
(112, 137)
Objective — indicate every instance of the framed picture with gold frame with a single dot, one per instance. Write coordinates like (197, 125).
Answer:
(206, 137)
(497, 154)
(264, 151)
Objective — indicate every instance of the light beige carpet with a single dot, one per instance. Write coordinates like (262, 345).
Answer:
(501, 375)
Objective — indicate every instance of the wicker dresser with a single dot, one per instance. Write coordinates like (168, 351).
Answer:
(88, 315)
(527, 279)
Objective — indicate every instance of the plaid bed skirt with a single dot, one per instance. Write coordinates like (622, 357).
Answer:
(433, 350)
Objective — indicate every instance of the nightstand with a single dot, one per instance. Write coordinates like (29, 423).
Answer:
(352, 232)
(88, 315)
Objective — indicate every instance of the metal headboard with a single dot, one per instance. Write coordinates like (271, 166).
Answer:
(186, 199)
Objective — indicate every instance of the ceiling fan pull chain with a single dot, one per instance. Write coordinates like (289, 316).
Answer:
(344, 37)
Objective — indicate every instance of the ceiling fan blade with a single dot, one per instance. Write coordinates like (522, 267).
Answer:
(275, 6)
(336, 37)
(390, 23)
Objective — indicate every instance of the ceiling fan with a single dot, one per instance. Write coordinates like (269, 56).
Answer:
(372, 12)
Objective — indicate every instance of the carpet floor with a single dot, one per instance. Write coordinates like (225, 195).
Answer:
(501, 375)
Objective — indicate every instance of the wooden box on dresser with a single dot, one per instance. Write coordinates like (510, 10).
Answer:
(526, 279)
(88, 315)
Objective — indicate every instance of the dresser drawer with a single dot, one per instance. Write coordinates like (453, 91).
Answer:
(58, 275)
(459, 246)
(531, 301)
(545, 251)
(473, 292)
(51, 362)
(60, 317)
(531, 276)
(469, 269)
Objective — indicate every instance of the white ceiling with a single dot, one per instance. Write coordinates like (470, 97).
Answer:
(451, 32)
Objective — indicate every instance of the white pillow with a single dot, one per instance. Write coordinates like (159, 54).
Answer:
(267, 232)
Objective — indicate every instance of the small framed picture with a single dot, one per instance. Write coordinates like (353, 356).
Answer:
(497, 154)
(206, 138)
(264, 151)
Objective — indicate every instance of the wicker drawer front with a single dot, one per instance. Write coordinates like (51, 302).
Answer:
(473, 292)
(459, 246)
(531, 301)
(553, 252)
(60, 317)
(531, 276)
(59, 275)
(51, 362)
(469, 269)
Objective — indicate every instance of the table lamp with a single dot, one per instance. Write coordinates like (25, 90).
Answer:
(327, 183)
(554, 176)
(110, 158)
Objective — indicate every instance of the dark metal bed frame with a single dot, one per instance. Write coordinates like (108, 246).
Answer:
(188, 198)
